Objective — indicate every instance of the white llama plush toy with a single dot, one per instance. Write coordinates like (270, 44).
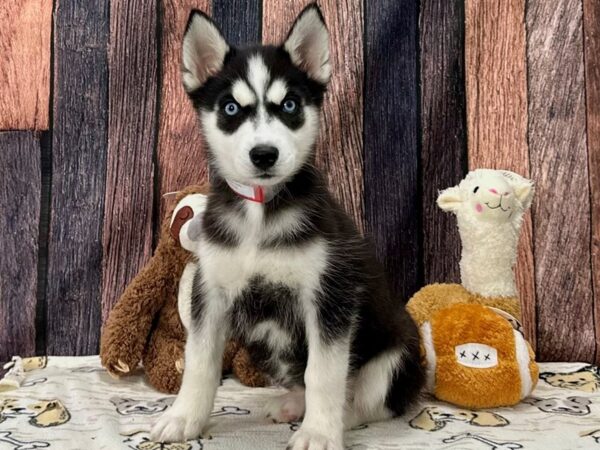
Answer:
(489, 206)
(475, 352)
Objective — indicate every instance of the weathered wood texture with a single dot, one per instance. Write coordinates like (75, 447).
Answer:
(239, 20)
(443, 128)
(339, 151)
(591, 26)
(391, 140)
(25, 27)
(559, 165)
(132, 119)
(20, 187)
(79, 144)
(180, 156)
(497, 113)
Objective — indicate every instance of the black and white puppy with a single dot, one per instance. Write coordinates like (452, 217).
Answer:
(280, 266)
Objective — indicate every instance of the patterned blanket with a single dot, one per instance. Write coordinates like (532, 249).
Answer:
(72, 403)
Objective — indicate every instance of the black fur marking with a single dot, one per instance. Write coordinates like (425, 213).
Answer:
(197, 305)
(231, 123)
(263, 301)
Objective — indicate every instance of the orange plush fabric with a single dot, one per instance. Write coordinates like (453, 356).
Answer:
(468, 386)
(434, 297)
(144, 326)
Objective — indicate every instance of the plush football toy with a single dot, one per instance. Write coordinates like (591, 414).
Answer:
(145, 326)
(473, 346)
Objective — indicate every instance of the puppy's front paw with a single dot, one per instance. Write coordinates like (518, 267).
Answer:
(310, 440)
(177, 426)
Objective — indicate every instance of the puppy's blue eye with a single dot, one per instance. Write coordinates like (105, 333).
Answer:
(289, 106)
(231, 108)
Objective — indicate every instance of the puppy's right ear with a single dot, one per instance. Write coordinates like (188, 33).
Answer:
(204, 50)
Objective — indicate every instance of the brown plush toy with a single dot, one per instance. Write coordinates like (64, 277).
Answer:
(144, 326)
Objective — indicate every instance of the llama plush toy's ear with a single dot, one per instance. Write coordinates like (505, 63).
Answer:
(204, 50)
(450, 199)
(524, 188)
(308, 44)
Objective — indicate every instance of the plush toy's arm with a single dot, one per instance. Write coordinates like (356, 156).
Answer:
(125, 334)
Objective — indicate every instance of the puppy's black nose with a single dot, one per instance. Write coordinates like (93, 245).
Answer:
(264, 156)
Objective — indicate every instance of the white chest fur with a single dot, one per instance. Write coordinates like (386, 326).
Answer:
(229, 269)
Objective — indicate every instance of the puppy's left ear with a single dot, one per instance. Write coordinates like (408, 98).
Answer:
(308, 44)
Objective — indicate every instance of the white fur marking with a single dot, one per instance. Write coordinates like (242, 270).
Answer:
(243, 94)
(276, 337)
(258, 75)
(277, 91)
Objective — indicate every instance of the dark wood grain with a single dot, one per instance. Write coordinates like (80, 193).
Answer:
(81, 31)
(239, 20)
(20, 187)
(391, 140)
(443, 128)
(559, 166)
(180, 157)
(339, 148)
(591, 26)
(497, 114)
(25, 27)
(132, 121)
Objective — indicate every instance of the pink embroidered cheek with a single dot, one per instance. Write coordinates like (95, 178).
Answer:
(478, 207)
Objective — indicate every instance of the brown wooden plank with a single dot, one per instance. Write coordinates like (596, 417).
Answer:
(339, 149)
(181, 159)
(444, 146)
(25, 27)
(132, 120)
(79, 141)
(559, 166)
(20, 188)
(591, 26)
(495, 52)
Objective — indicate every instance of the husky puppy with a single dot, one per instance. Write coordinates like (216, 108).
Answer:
(280, 266)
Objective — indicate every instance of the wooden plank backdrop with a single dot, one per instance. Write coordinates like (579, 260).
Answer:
(561, 212)
(79, 149)
(422, 91)
(132, 118)
(591, 27)
(25, 27)
(391, 155)
(497, 113)
(20, 190)
(443, 125)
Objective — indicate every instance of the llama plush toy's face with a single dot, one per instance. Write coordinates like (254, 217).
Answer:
(489, 195)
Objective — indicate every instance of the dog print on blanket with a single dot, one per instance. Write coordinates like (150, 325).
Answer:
(586, 379)
(41, 414)
(572, 406)
(434, 418)
(129, 406)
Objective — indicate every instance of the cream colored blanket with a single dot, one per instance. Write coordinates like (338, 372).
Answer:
(69, 403)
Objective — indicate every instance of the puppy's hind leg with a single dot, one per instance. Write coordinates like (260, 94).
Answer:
(288, 407)
(383, 388)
